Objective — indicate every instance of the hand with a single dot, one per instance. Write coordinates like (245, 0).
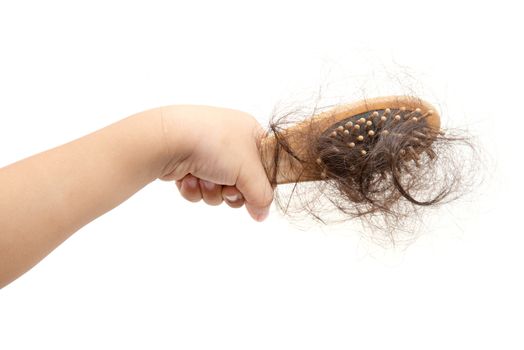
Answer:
(212, 154)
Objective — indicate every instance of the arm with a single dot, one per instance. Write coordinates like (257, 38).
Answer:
(47, 197)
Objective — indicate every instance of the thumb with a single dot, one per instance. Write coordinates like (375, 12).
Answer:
(256, 189)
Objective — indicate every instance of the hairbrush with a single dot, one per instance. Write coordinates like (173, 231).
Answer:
(378, 159)
(348, 134)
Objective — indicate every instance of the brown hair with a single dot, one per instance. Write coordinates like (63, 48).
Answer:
(381, 165)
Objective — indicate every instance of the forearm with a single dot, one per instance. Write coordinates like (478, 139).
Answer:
(49, 196)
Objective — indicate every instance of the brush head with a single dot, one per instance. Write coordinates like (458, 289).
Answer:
(403, 133)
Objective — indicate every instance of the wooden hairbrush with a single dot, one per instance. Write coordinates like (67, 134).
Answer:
(344, 141)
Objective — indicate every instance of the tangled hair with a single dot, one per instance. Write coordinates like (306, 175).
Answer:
(400, 168)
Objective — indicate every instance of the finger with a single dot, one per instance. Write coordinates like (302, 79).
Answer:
(211, 192)
(256, 189)
(232, 196)
(190, 189)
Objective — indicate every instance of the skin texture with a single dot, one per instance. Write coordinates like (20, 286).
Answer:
(211, 153)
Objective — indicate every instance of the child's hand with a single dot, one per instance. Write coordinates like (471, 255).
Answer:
(213, 155)
(211, 152)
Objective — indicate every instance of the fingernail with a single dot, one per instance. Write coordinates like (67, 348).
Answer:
(261, 214)
(207, 185)
(233, 198)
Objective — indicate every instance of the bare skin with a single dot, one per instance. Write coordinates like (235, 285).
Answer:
(211, 153)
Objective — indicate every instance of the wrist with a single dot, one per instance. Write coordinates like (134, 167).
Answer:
(146, 148)
(176, 141)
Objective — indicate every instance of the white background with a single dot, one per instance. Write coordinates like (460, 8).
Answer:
(161, 273)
